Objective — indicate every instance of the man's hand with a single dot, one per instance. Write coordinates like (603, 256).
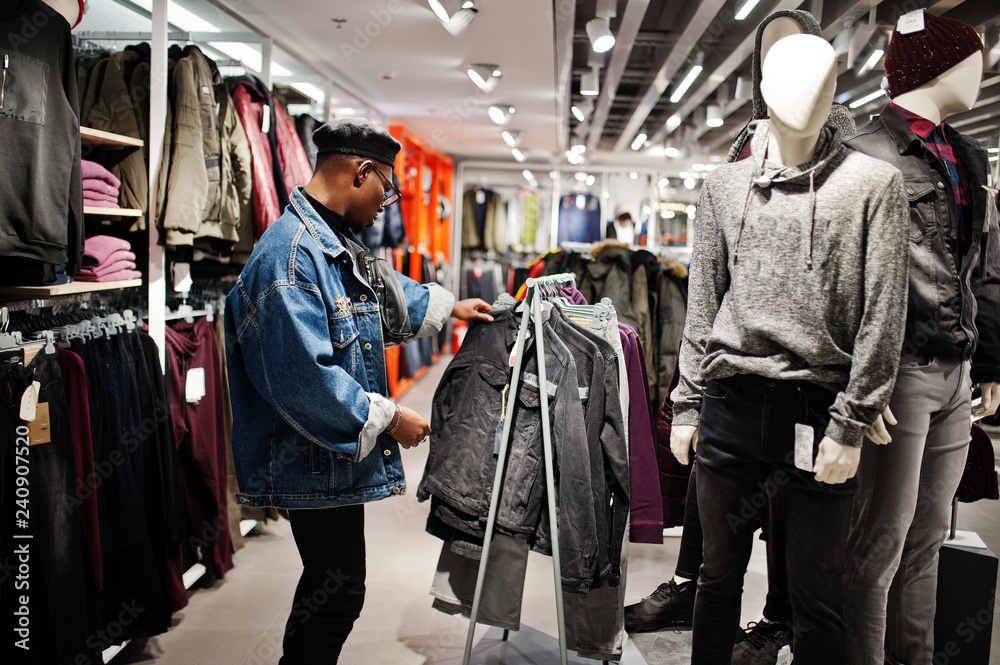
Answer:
(836, 462)
(877, 432)
(683, 439)
(472, 309)
(412, 430)
(991, 400)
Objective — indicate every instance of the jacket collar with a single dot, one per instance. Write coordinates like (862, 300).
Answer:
(316, 225)
(902, 133)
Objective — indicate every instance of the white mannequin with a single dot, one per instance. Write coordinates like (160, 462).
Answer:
(70, 9)
(798, 80)
(953, 92)
(775, 31)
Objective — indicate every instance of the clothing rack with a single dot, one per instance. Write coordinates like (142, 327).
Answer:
(532, 314)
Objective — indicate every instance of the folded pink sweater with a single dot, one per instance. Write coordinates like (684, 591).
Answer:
(94, 170)
(108, 268)
(98, 249)
(99, 187)
(111, 277)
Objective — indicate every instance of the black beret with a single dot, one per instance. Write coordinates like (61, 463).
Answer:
(356, 136)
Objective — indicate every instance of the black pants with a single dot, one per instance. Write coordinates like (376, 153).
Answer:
(331, 591)
(689, 557)
(746, 460)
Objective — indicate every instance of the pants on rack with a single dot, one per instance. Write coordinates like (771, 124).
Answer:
(903, 513)
(331, 591)
(42, 542)
(746, 459)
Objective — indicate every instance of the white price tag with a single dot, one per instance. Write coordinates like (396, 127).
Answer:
(194, 386)
(785, 656)
(911, 22)
(265, 122)
(29, 402)
(804, 438)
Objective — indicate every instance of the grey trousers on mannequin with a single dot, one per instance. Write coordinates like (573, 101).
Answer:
(902, 513)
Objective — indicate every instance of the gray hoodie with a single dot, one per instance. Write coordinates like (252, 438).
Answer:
(799, 273)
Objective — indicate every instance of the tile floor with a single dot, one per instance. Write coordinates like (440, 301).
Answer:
(239, 620)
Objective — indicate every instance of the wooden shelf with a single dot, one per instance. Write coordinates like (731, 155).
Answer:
(111, 212)
(96, 137)
(67, 289)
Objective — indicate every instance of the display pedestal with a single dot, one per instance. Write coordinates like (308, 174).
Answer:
(531, 647)
(966, 596)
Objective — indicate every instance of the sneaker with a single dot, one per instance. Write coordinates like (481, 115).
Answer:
(670, 606)
(761, 642)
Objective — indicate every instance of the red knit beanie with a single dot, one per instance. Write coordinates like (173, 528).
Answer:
(918, 57)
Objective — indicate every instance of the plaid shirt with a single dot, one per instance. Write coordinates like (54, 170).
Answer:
(936, 140)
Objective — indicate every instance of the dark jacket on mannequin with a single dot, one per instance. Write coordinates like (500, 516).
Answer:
(949, 305)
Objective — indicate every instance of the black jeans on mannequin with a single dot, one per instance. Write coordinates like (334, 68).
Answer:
(746, 455)
(331, 591)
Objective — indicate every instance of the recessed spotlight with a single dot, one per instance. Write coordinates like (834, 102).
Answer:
(501, 113)
(518, 155)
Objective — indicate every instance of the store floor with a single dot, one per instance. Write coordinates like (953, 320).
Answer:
(240, 620)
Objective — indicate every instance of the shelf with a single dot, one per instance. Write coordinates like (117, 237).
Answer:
(112, 212)
(96, 137)
(67, 289)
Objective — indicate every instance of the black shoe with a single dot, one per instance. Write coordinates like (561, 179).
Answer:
(760, 643)
(670, 606)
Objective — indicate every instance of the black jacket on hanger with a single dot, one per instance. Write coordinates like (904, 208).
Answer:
(41, 190)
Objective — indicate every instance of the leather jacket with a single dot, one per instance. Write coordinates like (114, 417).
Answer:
(950, 302)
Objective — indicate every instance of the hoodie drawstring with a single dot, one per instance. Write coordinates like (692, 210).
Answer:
(812, 216)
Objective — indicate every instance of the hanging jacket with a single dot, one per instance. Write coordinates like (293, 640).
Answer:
(295, 168)
(250, 101)
(209, 156)
(953, 310)
(41, 210)
(305, 125)
(670, 317)
(609, 275)
(673, 475)
(799, 273)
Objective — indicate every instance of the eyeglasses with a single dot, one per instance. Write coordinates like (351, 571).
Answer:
(392, 194)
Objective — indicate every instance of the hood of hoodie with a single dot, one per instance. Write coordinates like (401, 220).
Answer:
(609, 256)
(768, 174)
(810, 26)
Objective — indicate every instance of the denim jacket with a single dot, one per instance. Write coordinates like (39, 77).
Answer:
(953, 307)
(307, 369)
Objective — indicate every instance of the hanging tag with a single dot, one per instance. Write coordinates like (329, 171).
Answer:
(498, 435)
(265, 122)
(785, 656)
(804, 438)
(29, 402)
(911, 22)
(40, 429)
(513, 357)
(194, 386)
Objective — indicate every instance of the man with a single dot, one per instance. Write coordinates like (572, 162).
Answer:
(622, 228)
(312, 430)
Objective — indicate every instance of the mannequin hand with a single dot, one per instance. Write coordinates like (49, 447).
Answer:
(836, 462)
(472, 309)
(877, 432)
(683, 439)
(412, 430)
(991, 400)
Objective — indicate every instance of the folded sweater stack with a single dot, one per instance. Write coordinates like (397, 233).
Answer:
(107, 259)
(100, 187)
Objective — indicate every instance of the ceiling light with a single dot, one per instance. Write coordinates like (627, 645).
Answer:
(633, 175)
(513, 139)
(743, 88)
(673, 122)
(599, 32)
(577, 113)
(685, 84)
(444, 8)
(579, 148)
(485, 77)
(640, 138)
(691, 210)
(867, 98)
(580, 176)
(528, 175)
(873, 60)
(455, 15)
(842, 42)
(590, 86)
(591, 180)
(689, 183)
(553, 175)
(713, 115)
(746, 9)
(672, 152)
(574, 157)
(501, 113)
(662, 184)
(518, 155)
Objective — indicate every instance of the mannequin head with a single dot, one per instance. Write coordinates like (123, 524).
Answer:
(935, 70)
(798, 79)
(952, 92)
